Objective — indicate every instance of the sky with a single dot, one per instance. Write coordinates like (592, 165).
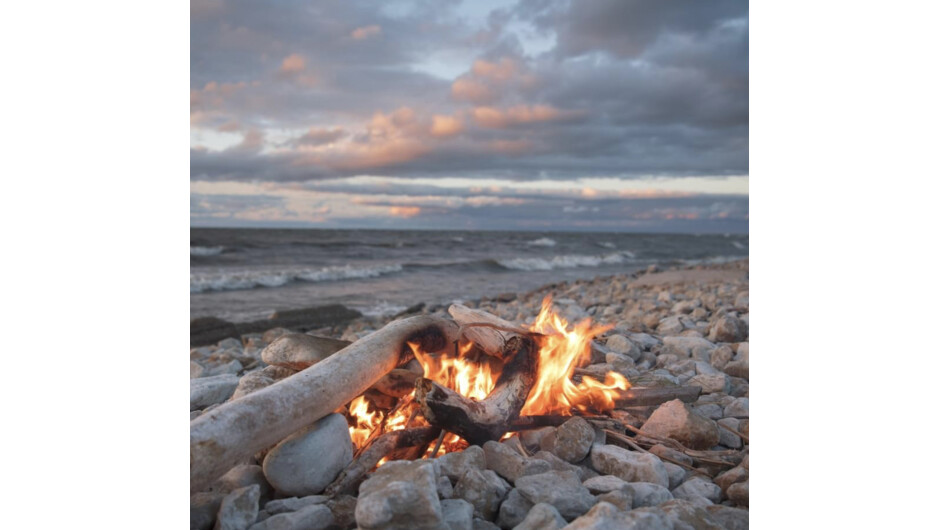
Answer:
(595, 115)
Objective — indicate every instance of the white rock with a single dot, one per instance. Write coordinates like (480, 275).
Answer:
(307, 461)
(698, 486)
(311, 517)
(542, 516)
(711, 383)
(648, 494)
(458, 514)
(631, 466)
(206, 391)
(239, 509)
(400, 497)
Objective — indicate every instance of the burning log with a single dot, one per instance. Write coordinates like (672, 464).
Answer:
(238, 429)
(348, 481)
(489, 332)
(490, 418)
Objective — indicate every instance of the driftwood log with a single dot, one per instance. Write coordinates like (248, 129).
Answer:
(238, 429)
(486, 330)
(490, 418)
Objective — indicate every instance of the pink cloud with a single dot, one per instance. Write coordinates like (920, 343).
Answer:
(365, 32)
(503, 70)
(405, 212)
(468, 89)
(293, 64)
(495, 118)
(444, 126)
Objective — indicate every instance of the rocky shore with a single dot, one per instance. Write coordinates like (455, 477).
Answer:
(676, 327)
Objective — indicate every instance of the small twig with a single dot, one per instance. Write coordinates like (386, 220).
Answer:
(380, 428)
(437, 445)
(414, 414)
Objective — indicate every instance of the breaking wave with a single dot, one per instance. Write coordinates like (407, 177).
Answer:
(205, 251)
(560, 262)
(250, 279)
(542, 242)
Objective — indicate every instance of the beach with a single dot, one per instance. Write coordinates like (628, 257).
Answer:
(672, 328)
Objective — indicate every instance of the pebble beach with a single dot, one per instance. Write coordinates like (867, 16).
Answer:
(669, 327)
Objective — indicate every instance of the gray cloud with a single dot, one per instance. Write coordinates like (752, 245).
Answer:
(333, 89)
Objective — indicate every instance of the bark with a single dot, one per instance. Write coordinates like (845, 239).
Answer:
(489, 419)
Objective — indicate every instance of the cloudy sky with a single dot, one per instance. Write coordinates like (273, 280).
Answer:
(531, 114)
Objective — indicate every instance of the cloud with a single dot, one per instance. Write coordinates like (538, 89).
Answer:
(365, 32)
(316, 136)
(546, 91)
(445, 126)
(519, 115)
(293, 64)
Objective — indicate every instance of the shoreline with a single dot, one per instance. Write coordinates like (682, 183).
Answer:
(340, 321)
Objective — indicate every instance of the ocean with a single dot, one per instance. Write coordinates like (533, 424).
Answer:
(245, 274)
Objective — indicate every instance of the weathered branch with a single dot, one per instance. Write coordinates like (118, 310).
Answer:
(489, 332)
(657, 395)
(236, 430)
(489, 419)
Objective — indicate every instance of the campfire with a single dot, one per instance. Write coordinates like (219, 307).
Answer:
(481, 378)
(553, 350)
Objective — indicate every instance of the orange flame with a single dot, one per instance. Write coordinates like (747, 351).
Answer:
(561, 351)
(366, 421)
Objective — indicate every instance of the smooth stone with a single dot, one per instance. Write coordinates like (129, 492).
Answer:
(732, 476)
(726, 437)
(674, 419)
(563, 490)
(532, 439)
(483, 524)
(306, 462)
(686, 514)
(400, 497)
(573, 440)
(738, 493)
(670, 326)
(631, 466)
(737, 408)
(622, 499)
(509, 464)
(621, 363)
(676, 474)
(239, 509)
(604, 484)
(458, 514)
(513, 510)
(648, 494)
(542, 516)
(698, 486)
(206, 391)
(712, 411)
(737, 369)
(742, 300)
(292, 504)
(607, 516)
(445, 490)
(688, 347)
(273, 334)
(557, 464)
(196, 370)
(728, 329)
(343, 508)
(485, 490)
(729, 518)
(711, 383)
(203, 508)
(299, 350)
(312, 517)
(245, 475)
(454, 465)
(644, 340)
(742, 351)
(251, 382)
(721, 357)
(623, 345)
